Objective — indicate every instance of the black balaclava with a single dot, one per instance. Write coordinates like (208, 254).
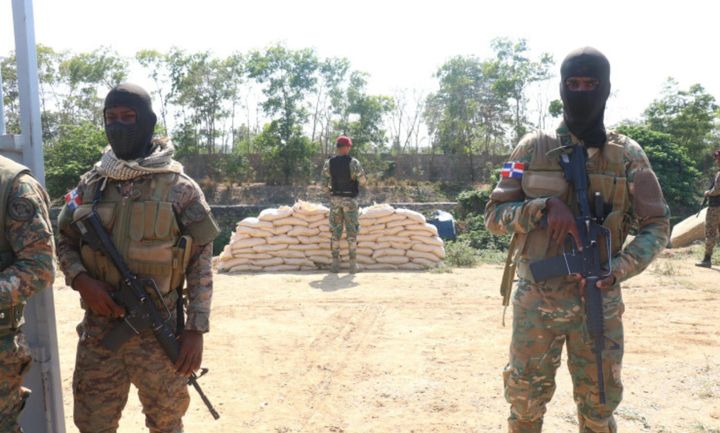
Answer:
(584, 111)
(130, 141)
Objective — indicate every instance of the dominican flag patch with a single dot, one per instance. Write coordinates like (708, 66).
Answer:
(513, 170)
(73, 199)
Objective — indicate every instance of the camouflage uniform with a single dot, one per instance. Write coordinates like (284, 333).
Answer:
(712, 217)
(344, 210)
(102, 378)
(548, 315)
(27, 269)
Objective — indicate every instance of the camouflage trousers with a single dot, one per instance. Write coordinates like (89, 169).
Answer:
(344, 210)
(712, 221)
(14, 364)
(545, 320)
(102, 379)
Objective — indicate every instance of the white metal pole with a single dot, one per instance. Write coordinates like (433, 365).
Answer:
(44, 410)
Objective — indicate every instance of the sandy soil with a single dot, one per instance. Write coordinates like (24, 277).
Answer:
(423, 352)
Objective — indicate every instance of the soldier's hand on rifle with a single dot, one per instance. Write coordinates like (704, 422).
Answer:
(96, 295)
(603, 284)
(706, 194)
(561, 222)
(191, 348)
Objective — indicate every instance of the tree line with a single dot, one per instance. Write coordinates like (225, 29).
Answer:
(286, 105)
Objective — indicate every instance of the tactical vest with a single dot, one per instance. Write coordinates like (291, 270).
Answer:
(544, 178)
(11, 316)
(342, 183)
(145, 230)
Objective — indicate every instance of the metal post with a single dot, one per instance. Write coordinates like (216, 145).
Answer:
(2, 105)
(44, 410)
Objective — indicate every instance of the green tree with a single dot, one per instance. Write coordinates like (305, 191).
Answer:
(689, 116)
(74, 152)
(679, 179)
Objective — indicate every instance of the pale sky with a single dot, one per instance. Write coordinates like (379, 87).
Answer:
(401, 44)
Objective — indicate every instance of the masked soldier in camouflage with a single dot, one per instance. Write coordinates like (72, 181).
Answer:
(344, 175)
(159, 221)
(26, 267)
(535, 203)
(712, 217)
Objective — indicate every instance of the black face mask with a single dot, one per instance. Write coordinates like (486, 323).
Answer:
(123, 140)
(584, 111)
(131, 141)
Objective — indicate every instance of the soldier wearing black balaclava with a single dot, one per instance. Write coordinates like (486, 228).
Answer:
(162, 226)
(130, 141)
(583, 111)
(535, 203)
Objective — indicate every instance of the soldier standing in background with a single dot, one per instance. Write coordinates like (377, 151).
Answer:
(26, 266)
(712, 217)
(160, 223)
(535, 203)
(344, 175)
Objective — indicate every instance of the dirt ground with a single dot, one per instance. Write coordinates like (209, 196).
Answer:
(423, 352)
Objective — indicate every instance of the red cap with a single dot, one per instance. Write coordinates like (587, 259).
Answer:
(343, 141)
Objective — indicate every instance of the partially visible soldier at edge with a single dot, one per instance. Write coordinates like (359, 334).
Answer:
(26, 267)
(535, 203)
(344, 176)
(151, 209)
(712, 217)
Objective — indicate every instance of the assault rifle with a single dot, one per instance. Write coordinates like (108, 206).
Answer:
(585, 262)
(706, 199)
(141, 312)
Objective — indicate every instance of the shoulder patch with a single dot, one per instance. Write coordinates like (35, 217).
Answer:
(21, 209)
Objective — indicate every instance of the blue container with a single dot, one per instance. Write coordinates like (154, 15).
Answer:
(445, 224)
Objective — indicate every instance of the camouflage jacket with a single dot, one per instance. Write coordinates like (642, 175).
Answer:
(29, 232)
(356, 173)
(510, 211)
(714, 191)
(194, 218)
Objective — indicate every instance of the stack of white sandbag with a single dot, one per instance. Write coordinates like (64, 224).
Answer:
(298, 238)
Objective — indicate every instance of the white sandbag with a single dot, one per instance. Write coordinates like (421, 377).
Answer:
(324, 246)
(366, 260)
(312, 218)
(305, 240)
(270, 262)
(319, 224)
(248, 243)
(401, 245)
(240, 251)
(289, 254)
(246, 268)
(428, 256)
(364, 252)
(398, 223)
(320, 260)
(319, 253)
(430, 240)
(425, 262)
(239, 236)
(269, 247)
(362, 237)
(283, 239)
(308, 208)
(372, 228)
(304, 247)
(412, 215)
(275, 214)
(303, 231)
(256, 233)
(410, 233)
(388, 252)
(253, 256)
(380, 267)
(327, 235)
(309, 268)
(411, 267)
(292, 221)
(689, 230)
(434, 249)
(427, 227)
(394, 260)
(298, 261)
(226, 265)
(392, 231)
(376, 211)
(255, 223)
(281, 268)
(387, 219)
(281, 230)
(392, 239)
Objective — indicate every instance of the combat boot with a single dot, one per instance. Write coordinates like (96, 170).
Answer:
(706, 263)
(335, 267)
